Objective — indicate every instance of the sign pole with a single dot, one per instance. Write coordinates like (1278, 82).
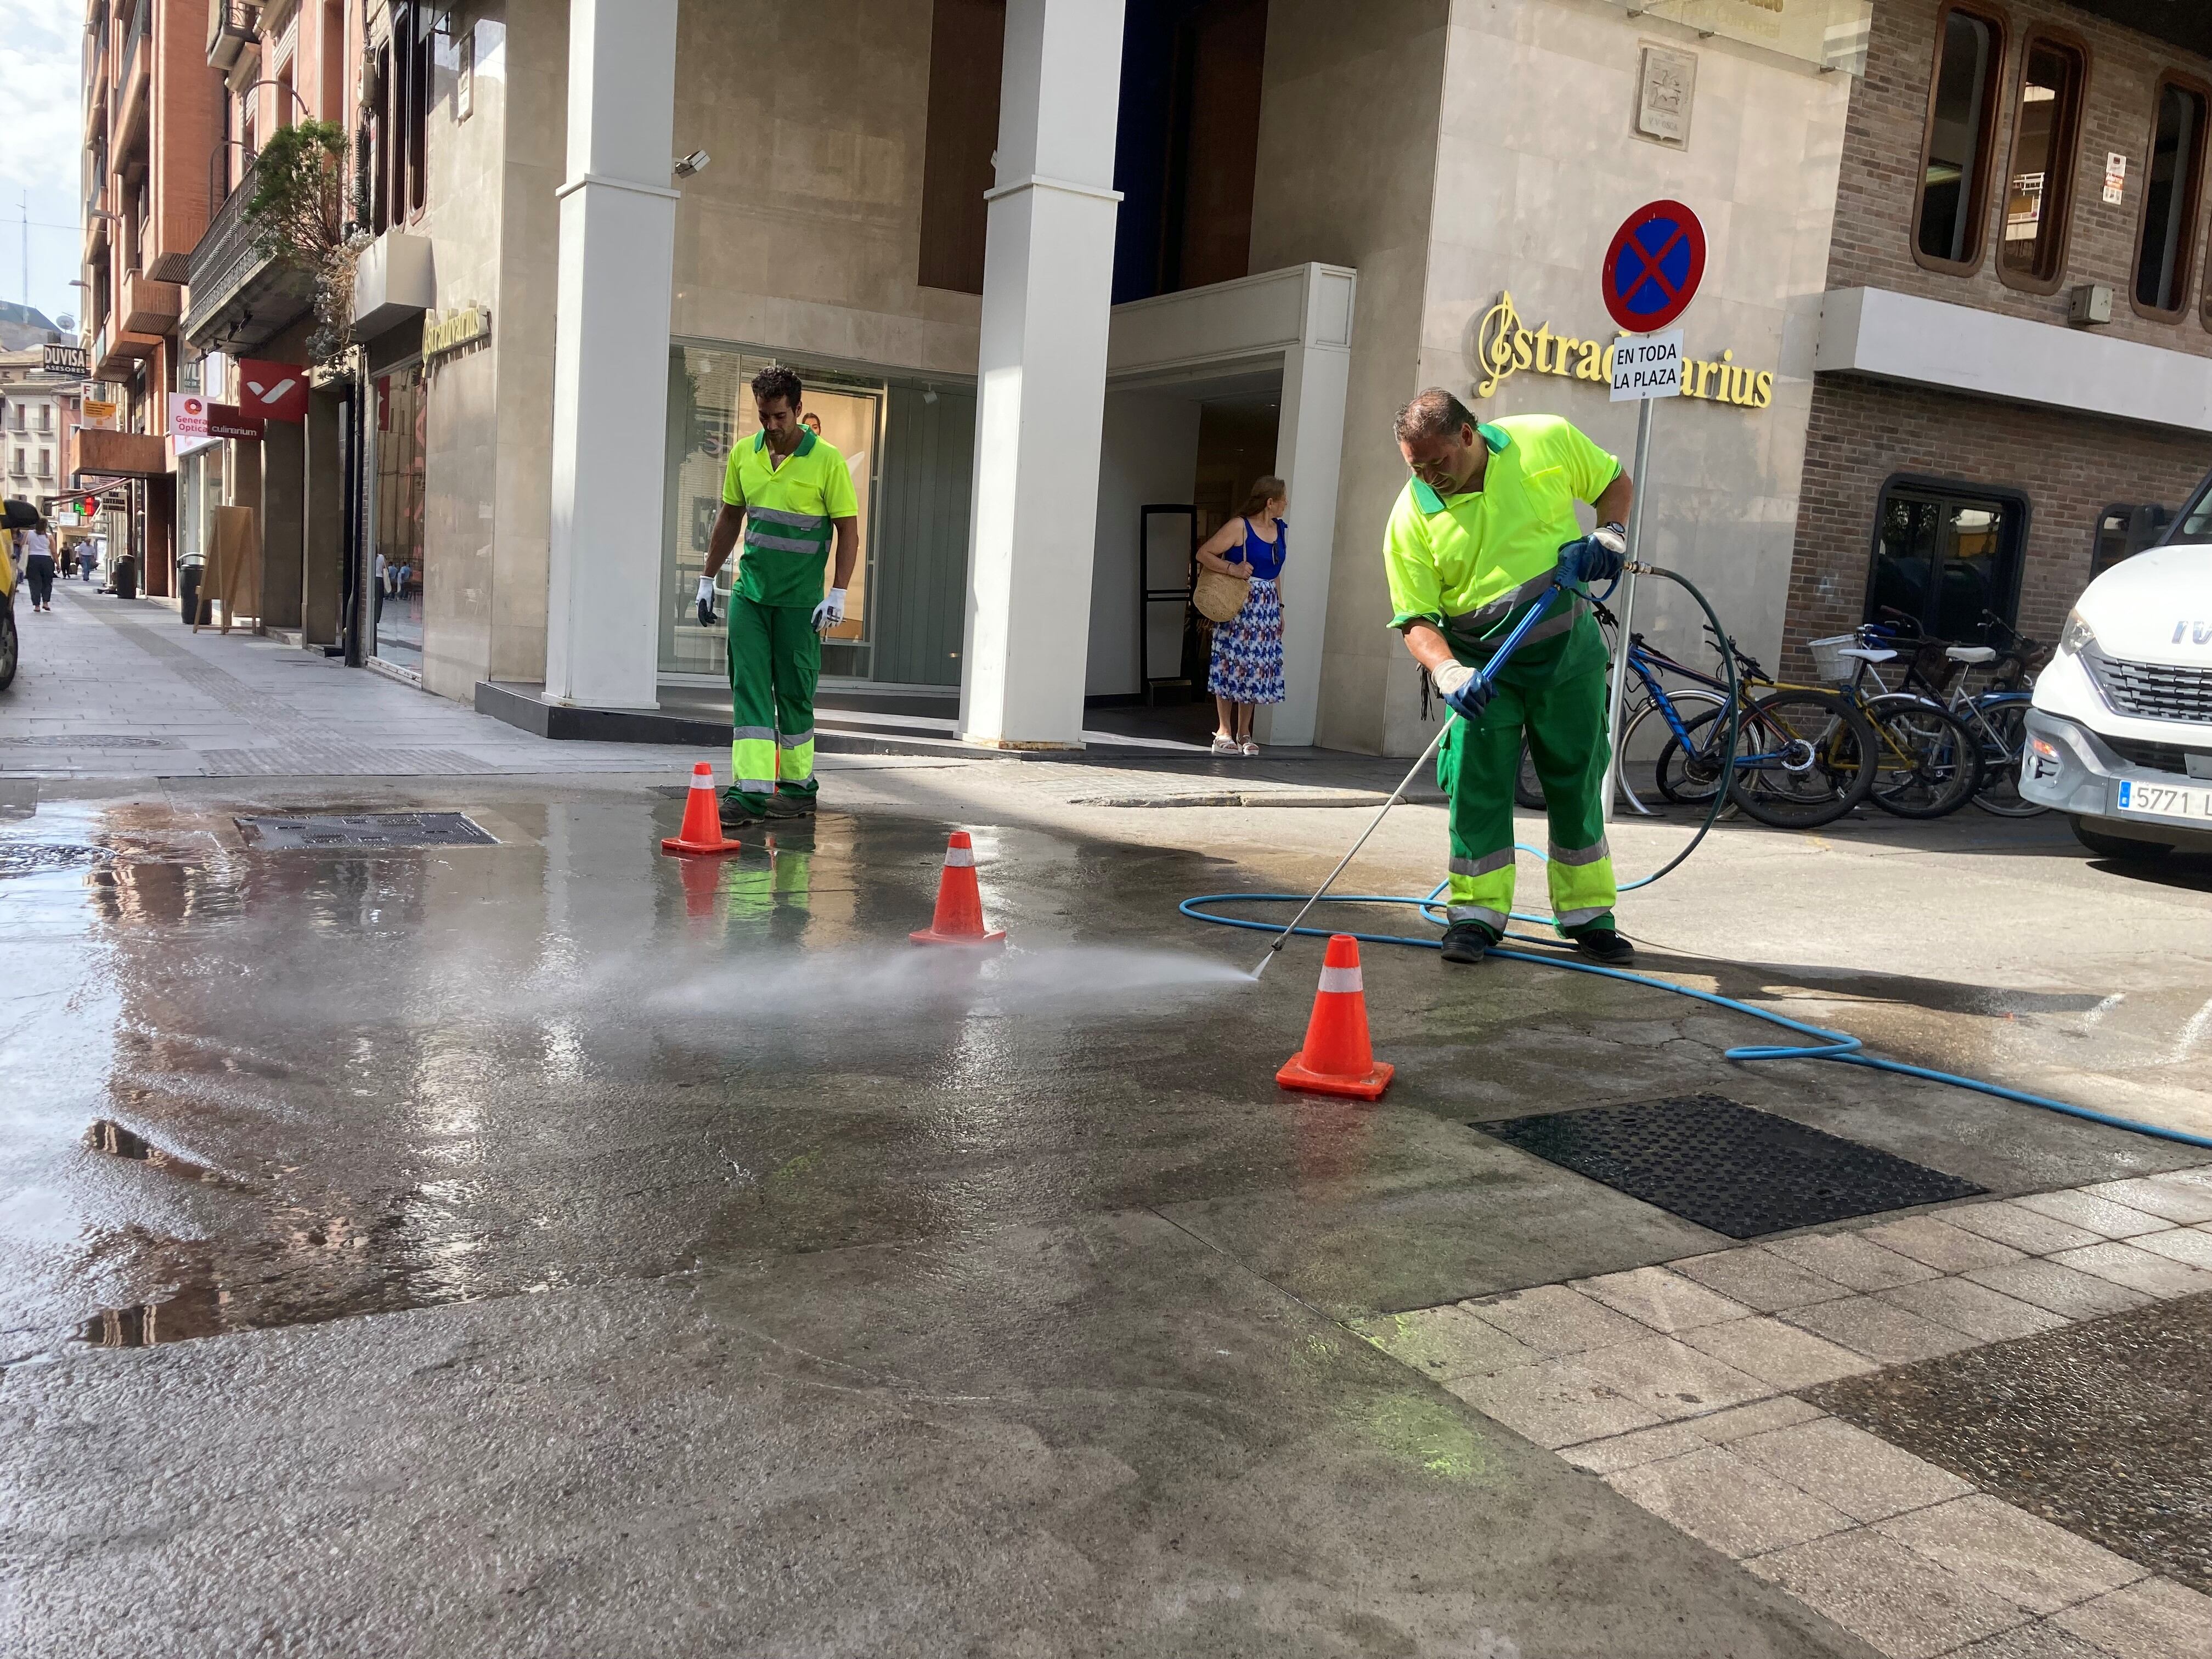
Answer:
(1625, 609)
(1651, 274)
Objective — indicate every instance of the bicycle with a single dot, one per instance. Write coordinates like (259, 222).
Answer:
(1995, 716)
(1929, 764)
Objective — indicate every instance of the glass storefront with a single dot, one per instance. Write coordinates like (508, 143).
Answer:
(711, 410)
(399, 405)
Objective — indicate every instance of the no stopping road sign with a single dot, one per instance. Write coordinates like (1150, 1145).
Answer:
(1652, 270)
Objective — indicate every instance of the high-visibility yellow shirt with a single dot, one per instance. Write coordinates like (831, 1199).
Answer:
(1470, 562)
(789, 507)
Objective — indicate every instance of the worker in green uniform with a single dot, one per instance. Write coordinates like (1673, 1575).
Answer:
(1477, 534)
(789, 488)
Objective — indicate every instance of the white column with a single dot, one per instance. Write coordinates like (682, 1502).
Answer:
(1308, 456)
(1047, 283)
(611, 355)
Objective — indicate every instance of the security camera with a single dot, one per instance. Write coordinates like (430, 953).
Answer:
(695, 162)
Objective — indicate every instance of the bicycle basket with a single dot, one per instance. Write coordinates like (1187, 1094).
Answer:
(1829, 661)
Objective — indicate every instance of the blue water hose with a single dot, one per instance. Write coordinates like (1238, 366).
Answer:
(1839, 1046)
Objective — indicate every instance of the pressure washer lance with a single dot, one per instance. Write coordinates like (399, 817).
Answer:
(1488, 672)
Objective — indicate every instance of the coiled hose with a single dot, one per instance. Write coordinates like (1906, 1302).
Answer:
(1825, 1044)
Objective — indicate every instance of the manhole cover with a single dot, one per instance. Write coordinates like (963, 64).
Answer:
(1727, 1167)
(377, 829)
(31, 857)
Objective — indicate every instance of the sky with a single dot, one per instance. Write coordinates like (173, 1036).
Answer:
(41, 150)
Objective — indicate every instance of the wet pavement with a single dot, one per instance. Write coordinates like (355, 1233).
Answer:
(548, 1246)
(2101, 1427)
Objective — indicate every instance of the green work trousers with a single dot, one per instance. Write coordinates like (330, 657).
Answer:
(775, 659)
(1564, 720)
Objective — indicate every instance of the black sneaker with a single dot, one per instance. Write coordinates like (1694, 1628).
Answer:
(782, 805)
(1468, 941)
(737, 811)
(1603, 945)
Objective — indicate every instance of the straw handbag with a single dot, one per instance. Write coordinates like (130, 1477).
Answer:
(1220, 597)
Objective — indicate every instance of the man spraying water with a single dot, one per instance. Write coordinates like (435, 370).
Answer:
(1479, 533)
(791, 491)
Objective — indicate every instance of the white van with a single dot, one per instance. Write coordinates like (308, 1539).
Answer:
(2120, 735)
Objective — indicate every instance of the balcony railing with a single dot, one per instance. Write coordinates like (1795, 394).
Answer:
(233, 26)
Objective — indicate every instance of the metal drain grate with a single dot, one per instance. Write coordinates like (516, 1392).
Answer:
(1727, 1167)
(364, 829)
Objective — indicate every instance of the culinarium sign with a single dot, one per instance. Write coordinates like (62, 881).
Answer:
(1506, 347)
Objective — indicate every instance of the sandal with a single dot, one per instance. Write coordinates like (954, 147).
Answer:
(1250, 747)
(1226, 745)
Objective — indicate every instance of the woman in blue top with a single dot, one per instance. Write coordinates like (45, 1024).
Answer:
(1247, 649)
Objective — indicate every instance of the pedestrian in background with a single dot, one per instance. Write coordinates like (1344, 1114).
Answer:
(1246, 668)
(38, 549)
(85, 559)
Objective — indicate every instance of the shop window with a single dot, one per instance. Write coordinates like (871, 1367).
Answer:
(2046, 139)
(1947, 557)
(2123, 531)
(2173, 187)
(1962, 110)
(710, 413)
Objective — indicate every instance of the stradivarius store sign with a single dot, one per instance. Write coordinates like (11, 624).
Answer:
(1506, 347)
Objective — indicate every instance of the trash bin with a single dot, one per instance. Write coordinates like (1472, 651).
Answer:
(188, 592)
(127, 578)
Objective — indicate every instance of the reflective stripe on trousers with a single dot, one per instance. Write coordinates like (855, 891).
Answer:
(1564, 723)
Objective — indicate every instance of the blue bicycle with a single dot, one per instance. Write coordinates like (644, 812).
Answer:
(1803, 755)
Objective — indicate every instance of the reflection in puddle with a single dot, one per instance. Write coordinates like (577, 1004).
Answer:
(194, 1311)
(106, 1135)
(31, 857)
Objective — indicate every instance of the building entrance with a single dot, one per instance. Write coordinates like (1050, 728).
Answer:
(398, 406)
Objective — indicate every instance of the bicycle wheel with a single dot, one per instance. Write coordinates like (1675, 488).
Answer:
(1927, 764)
(2003, 746)
(1688, 777)
(1803, 758)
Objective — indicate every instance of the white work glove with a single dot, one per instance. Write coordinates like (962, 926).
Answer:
(1462, 693)
(706, 617)
(830, 611)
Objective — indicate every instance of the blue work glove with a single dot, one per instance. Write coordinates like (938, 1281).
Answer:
(706, 617)
(1464, 691)
(1597, 557)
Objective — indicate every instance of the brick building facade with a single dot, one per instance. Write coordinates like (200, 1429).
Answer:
(2056, 461)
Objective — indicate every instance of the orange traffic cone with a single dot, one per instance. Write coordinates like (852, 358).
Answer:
(959, 918)
(1337, 1060)
(702, 819)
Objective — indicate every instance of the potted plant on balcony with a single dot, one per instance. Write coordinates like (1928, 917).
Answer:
(299, 209)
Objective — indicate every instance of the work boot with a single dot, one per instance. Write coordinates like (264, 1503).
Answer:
(1468, 941)
(788, 804)
(1603, 945)
(737, 808)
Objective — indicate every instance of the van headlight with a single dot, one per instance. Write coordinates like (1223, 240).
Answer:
(2076, 636)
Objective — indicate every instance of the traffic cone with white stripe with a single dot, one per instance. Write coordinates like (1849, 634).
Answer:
(1337, 1059)
(702, 819)
(959, 918)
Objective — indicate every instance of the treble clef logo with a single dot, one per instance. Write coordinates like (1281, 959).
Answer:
(1494, 342)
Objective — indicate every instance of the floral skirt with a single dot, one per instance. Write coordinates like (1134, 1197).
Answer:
(1247, 649)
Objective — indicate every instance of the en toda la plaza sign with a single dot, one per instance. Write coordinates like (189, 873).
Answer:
(1507, 347)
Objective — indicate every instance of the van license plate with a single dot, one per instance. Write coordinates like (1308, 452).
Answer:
(2158, 800)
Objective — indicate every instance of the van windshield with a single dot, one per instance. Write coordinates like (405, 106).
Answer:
(2196, 523)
